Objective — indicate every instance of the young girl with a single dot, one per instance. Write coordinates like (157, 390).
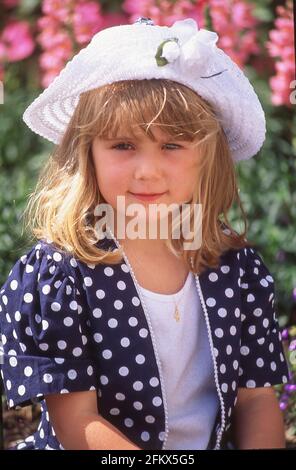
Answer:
(139, 343)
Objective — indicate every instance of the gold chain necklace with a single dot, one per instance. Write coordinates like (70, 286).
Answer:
(176, 315)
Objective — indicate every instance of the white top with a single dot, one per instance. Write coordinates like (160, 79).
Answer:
(184, 351)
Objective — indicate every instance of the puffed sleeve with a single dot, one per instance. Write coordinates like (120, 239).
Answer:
(44, 328)
(262, 359)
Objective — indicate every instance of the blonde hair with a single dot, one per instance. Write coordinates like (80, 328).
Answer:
(61, 208)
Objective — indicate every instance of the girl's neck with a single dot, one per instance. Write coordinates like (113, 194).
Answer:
(147, 245)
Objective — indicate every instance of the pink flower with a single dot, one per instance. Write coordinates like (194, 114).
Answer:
(57, 52)
(280, 91)
(64, 51)
(241, 15)
(166, 12)
(45, 22)
(86, 20)
(50, 38)
(17, 41)
(49, 61)
(53, 59)
(58, 9)
(281, 47)
(132, 7)
(113, 19)
(236, 25)
(55, 37)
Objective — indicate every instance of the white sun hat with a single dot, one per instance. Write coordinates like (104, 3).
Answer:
(142, 50)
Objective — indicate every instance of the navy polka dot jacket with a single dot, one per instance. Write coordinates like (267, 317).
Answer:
(69, 326)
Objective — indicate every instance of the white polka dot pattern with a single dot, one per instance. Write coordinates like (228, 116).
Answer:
(260, 336)
(244, 327)
(70, 347)
(67, 326)
(54, 356)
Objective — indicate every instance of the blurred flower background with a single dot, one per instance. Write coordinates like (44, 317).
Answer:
(37, 38)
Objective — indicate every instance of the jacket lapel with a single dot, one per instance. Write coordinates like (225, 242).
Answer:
(131, 391)
(221, 305)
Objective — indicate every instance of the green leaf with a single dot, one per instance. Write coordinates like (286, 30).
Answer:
(28, 6)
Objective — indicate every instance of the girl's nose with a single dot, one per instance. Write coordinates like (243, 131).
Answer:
(148, 167)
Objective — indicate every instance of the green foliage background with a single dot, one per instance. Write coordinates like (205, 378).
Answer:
(267, 181)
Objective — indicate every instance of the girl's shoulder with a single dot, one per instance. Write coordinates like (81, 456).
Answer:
(252, 266)
(45, 327)
(246, 261)
(41, 259)
(43, 273)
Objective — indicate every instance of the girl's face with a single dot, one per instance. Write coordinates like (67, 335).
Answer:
(126, 166)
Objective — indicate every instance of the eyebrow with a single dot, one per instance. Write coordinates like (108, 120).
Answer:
(181, 138)
(121, 138)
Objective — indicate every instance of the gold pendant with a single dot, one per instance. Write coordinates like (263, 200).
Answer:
(177, 315)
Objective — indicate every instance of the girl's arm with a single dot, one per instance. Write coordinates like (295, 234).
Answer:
(77, 424)
(257, 420)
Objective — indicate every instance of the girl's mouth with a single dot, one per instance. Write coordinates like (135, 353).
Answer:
(147, 197)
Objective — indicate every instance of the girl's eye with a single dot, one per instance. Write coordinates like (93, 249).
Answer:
(175, 145)
(117, 146)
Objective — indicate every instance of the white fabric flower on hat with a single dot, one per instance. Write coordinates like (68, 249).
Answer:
(199, 48)
(195, 51)
(171, 50)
